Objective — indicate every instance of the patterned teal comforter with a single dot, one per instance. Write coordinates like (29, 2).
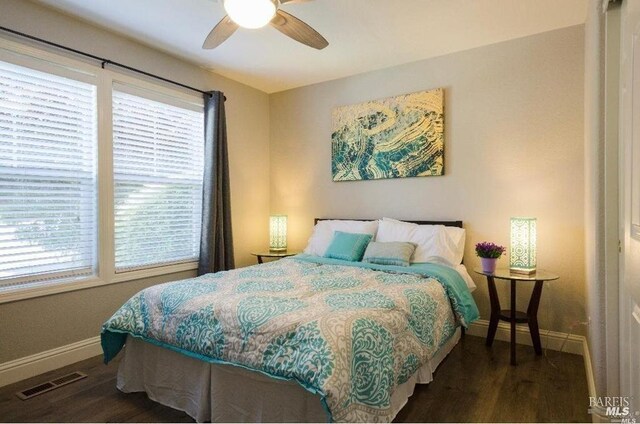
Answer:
(347, 331)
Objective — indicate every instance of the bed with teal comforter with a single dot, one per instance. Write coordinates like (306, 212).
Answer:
(350, 332)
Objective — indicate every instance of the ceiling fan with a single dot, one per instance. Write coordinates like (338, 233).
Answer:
(258, 13)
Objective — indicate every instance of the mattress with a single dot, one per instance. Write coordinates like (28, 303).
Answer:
(225, 393)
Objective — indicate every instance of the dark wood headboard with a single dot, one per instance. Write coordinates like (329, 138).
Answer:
(445, 223)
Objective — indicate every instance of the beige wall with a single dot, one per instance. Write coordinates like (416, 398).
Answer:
(514, 146)
(35, 325)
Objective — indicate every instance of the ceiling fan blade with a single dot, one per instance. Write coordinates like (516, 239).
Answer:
(293, 27)
(223, 30)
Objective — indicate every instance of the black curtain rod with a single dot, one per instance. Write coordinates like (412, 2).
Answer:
(101, 59)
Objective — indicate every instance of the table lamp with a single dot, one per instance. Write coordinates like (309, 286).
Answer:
(523, 246)
(278, 233)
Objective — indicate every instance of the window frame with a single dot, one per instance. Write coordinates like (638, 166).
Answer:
(82, 77)
(105, 80)
(149, 91)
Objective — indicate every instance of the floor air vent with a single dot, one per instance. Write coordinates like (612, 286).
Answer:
(50, 385)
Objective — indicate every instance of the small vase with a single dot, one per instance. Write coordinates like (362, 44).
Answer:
(489, 264)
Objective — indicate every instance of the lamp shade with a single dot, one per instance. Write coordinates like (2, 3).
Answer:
(523, 245)
(250, 13)
(278, 232)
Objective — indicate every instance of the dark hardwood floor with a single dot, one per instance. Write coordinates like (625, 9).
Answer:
(477, 384)
(474, 384)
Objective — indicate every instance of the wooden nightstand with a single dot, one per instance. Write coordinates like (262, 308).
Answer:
(512, 315)
(270, 254)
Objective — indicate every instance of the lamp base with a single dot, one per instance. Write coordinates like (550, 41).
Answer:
(277, 249)
(522, 271)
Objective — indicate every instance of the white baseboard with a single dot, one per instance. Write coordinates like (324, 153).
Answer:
(552, 340)
(30, 366)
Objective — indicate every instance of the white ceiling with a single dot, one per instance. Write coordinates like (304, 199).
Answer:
(364, 35)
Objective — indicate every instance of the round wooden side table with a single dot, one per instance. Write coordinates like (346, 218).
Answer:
(272, 254)
(512, 315)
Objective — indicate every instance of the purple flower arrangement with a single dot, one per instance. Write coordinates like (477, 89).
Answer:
(489, 250)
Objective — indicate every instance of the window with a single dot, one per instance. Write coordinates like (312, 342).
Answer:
(100, 175)
(48, 191)
(158, 162)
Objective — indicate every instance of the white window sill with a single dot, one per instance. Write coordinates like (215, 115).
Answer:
(22, 293)
(153, 272)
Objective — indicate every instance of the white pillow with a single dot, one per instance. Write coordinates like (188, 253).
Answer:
(433, 241)
(458, 237)
(323, 233)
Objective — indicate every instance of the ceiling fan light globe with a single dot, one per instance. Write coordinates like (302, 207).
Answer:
(250, 13)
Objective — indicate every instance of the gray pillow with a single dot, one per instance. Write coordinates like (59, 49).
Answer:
(389, 253)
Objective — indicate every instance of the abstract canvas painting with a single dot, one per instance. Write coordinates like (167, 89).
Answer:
(396, 137)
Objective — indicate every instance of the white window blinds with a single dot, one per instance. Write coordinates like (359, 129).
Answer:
(47, 176)
(158, 161)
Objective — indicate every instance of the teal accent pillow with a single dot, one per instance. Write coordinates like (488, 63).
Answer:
(347, 246)
(396, 253)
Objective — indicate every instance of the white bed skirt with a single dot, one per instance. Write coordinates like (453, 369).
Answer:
(224, 393)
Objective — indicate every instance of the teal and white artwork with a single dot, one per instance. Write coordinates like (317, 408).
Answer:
(397, 137)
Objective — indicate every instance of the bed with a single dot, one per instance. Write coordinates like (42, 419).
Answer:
(305, 338)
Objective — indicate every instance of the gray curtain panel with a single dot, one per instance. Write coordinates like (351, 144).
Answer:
(216, 241)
